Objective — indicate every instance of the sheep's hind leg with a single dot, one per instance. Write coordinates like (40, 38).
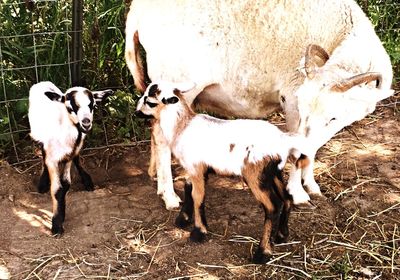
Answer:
(85, 177)
(184, 218)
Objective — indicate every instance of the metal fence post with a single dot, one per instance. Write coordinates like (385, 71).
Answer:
(76, 52)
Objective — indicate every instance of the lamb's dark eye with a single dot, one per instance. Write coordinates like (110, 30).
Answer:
(151, 104)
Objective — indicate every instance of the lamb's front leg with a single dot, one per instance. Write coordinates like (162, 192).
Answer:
(300, 197)
(165, 186)
(85, 177)
(152, 171)
(309, 183)
(58, 188)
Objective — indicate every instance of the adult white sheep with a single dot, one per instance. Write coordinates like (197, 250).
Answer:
(59, 123)
(244, 58)
(253, 149)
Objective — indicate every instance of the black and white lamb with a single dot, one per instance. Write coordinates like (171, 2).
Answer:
(59, 123)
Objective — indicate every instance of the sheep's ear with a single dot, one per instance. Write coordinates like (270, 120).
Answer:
(101, 95)
(315, 57)
(53, 96)
(170, 100)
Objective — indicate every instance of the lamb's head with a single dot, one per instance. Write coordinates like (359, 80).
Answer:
(158, 98)
(330, 98)
(80, 103)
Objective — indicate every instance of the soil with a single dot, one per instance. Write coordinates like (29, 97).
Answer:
(122, 230)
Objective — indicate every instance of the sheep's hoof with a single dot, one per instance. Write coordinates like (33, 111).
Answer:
(197, 236)
(182, 221)
(260, 257)
(308, 205)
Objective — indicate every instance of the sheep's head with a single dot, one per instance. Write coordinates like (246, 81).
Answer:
(80, 103)
(159, 96)
(330, 98)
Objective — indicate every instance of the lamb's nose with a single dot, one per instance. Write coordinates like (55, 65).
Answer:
(86, 123)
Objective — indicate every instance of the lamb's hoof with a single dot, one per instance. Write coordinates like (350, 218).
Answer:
(260, 257)
(318, 197)
(308, 205)
(43, 186)
(88, 183)
(57, 231)
(43, 189)
(281, 238)
(197, 236)
(89, 188)
(172, 201)
(182, 221)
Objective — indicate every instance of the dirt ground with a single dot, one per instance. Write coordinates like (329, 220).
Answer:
(122, 230)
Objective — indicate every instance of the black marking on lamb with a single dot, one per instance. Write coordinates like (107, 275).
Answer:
(44, 181)
(153, 91)
(71, 98)
(185, 216)
(269, 172)
(53, 96)
(203, 214)
(170, 100)
(90, 96)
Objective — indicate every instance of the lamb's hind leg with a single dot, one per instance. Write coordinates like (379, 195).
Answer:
(185, 215)
(44, 181)
(283, 228)
(259, 177)
(200, 223)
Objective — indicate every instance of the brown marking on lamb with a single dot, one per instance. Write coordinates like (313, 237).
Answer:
(231, 147)
(198, 193)
(302, 162)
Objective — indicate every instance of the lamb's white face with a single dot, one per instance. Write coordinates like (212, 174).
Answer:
(158, 95)
(80, 103)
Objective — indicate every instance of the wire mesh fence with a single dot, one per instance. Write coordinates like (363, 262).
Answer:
(36, 45)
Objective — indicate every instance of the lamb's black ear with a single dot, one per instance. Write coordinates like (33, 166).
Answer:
(171, 100)
(101, 95)
(53, 96)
